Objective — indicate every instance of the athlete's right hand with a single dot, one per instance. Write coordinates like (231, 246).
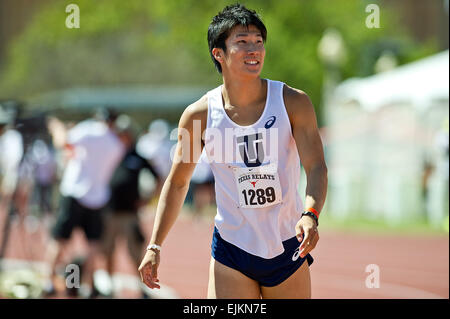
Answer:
(149, 269)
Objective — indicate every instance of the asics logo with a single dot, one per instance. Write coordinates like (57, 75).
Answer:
(270, 122)
(296, 254)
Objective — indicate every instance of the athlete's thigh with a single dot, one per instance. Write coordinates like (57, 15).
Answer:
(297, 286)
(228, 283)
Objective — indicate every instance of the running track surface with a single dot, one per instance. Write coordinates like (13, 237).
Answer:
(409, 267)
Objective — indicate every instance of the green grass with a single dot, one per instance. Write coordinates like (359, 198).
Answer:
(359, 224)
(380, 227)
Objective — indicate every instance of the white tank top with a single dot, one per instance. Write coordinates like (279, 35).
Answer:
(257, 174)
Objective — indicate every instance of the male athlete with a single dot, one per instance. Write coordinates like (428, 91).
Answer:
(255, 131)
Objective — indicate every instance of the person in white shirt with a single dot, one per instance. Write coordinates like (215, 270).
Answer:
(11, 154)
(95, 151)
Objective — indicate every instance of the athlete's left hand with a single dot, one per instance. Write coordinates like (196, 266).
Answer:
(306, 229)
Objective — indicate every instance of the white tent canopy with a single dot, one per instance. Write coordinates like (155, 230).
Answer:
(381, 135)
(416, 83)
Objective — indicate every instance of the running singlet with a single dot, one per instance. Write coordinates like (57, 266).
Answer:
(257, 173)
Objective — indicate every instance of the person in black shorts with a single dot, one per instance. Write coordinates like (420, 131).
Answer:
(94, 151)
(122, 218)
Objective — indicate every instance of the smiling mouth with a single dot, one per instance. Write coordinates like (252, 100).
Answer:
(252, 62)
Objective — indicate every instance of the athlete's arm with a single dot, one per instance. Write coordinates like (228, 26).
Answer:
(188, 150)
(191, 125)
(310, 149)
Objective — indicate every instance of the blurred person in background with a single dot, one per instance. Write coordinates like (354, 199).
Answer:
(11, 154)
(19, 167)
(43, 159)
(155, 146)
(126, 200)
(201, 187)
(94, 150)
(438, 203)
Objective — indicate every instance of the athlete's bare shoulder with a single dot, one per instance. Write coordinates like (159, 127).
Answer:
(196, 111)
(298, 105)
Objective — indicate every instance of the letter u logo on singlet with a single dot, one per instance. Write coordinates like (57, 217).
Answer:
(251, 149)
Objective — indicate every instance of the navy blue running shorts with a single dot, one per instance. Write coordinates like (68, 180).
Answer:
(267, 272)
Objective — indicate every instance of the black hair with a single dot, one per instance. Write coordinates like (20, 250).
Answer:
(221, 25)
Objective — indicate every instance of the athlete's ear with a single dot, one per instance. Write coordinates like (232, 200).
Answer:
(218, 54)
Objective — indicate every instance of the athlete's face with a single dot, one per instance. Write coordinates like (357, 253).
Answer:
(245, 51)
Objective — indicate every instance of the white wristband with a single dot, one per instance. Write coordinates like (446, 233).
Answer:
(153, 246)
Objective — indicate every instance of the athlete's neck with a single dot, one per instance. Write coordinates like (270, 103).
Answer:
(243, 93)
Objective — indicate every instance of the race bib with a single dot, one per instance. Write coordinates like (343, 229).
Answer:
(258, 187)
